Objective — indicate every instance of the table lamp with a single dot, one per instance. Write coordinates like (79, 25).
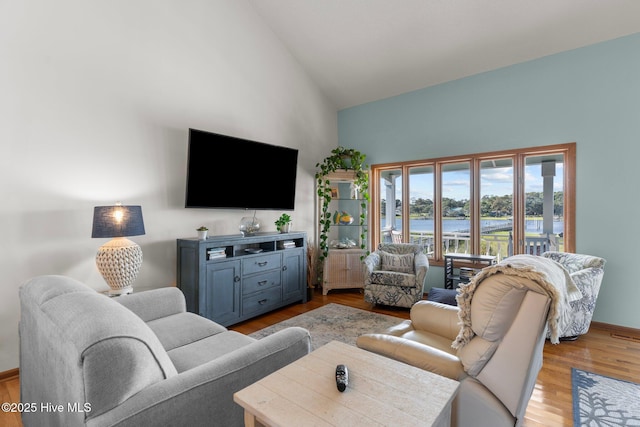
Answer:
(118, 260)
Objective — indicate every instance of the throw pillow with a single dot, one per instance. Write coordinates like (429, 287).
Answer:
(444, 296)
(398, 263)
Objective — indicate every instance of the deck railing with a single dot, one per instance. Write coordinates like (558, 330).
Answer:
(498, 245)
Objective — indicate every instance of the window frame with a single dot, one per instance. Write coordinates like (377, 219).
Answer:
(518, 156)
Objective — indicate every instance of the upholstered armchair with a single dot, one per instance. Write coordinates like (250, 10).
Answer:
(496, 354)
(394, 274)
(586, 271)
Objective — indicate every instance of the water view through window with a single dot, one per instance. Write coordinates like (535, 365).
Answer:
(516, 203)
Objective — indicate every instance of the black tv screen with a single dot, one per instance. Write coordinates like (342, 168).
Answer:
(228, 172)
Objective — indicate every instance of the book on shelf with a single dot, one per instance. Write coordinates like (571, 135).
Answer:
(468, 272)
(286, 244)
(213, 253)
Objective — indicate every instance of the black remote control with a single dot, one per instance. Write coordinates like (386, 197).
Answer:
(342, 377)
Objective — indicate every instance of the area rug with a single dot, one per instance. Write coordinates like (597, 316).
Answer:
(334, 322)
(603, 401)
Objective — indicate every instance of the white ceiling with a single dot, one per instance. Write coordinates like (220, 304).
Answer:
(359, 51)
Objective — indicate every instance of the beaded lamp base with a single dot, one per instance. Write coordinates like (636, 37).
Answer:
(119, 262)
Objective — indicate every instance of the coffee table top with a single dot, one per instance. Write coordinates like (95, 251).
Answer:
(381, 391)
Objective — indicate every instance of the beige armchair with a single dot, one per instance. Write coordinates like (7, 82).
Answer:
(394, 274)
(498, 354)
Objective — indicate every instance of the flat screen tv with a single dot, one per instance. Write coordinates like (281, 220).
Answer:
(228, 172)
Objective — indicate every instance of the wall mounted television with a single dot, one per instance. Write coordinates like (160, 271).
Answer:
(226, 172)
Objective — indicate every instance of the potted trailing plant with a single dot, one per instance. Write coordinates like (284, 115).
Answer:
(347, 159)
(283, 224)
(202, 232)
(312, 268)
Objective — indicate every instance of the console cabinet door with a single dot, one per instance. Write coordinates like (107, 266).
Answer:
(294, 281)
(222, 292)
(343, 269)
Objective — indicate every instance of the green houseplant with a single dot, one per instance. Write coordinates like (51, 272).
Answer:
(347, 159)
(283, 223)
(202, 232)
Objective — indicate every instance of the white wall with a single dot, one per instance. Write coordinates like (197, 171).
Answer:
(96, 98)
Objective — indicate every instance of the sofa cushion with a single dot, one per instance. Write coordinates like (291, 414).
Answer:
(476, 353)
(153, 305)
(495, 305)
(401, 263)
(184, 328)
(393, 278)
(207, 349)
(400, 248)
(443, 296)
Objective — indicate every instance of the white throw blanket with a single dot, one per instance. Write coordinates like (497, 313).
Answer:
(551, 277)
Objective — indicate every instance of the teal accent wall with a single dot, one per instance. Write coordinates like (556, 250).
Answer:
(590, 96)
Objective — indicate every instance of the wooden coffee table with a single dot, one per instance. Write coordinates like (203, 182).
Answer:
(381, 392)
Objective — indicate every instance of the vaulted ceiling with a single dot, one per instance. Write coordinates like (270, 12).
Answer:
(359, 51)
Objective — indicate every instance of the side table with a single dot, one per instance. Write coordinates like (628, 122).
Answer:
(475, 261)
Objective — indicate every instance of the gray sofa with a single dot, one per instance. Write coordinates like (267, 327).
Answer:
(135, 360)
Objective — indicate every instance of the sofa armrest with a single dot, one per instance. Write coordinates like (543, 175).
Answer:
(154, 304)
(204, 395)
(372, 262)
(588, 280)
(413, 353)
(400, 329)
(421, 267)
(440, 319)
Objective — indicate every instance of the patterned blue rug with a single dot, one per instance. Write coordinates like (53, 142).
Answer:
(604, 401)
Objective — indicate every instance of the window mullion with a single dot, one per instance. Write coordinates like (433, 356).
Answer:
(474, 209)
(406, 220)
(518, 203)
(437, 212)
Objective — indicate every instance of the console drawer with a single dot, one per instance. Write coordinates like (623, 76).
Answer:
(256, 264)
(260, 282)
(257, 303)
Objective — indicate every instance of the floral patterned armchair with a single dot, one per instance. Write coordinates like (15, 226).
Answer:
(587, 272)
(394, 274)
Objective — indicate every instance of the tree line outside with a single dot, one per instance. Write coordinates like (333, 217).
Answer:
(490, 206)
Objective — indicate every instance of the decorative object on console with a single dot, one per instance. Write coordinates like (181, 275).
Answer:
(202, 232)
(249, 225)
(118, 260)
(283, 224)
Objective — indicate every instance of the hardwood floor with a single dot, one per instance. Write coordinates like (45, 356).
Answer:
(551, 403)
